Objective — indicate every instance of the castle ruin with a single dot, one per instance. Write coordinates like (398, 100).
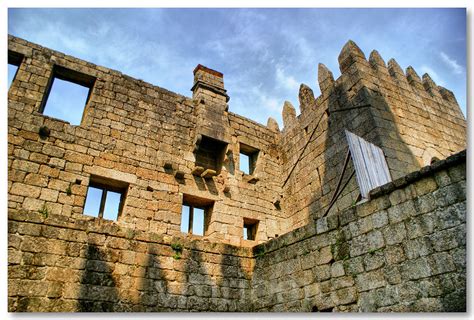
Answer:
(358, 204)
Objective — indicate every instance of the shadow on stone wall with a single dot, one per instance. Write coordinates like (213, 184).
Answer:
(235, 282)
(199, 286)
(365, 121)
(98, 291)
(153, 288)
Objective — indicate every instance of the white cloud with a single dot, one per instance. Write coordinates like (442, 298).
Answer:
(270, 103)
(286, 81)
(453, 64)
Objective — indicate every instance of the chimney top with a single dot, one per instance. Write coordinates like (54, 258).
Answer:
(208, 81)
(208, 70)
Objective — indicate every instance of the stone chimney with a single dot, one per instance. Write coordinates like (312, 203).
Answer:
(209, 85)
(211, 99)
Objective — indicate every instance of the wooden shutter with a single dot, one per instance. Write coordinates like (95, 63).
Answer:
(369, 162)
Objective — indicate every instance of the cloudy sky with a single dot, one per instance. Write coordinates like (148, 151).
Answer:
(264, 53)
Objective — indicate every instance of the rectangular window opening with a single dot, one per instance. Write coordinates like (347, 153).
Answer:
(195, 215)
(105, 198)
(67, 95)
(248, 159)
(250, 229)
(14, 61)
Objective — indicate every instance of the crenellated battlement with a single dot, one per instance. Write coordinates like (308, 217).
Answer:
(354, 67)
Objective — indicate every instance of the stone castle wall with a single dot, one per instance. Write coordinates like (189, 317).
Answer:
(129, 131)
(401, 250)
(405, 250)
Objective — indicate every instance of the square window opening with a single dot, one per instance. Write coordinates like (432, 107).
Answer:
(210, 153)
(195, 215)
(67, 94)
(14, 61)
(105, 198)
(250, 229)
(248, 159)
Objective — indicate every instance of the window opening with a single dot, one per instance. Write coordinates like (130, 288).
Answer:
(244, 163)
(67, 95)
(12, 70)
(192, 220)
(14, 62)
(195, 215)
(105, 198)
(248, 159)
(250, 229)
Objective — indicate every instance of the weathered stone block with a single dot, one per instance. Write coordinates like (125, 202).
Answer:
(425, 186)
(441, 263)
(25, 190)
(442, 178)
(24, 165)
(427, 305)
(342, 282)
(386, 296)
(322, 225)
(379, 219)
(324, 255)
(392, 274)
(373, 260)
(451, 216)
(354, 266)
(337, 269)
(418, 247)
(49, 195)
(397, 196)
(322, 273)
(421, 225)
(459, 258)
(312, 290)
(446, 239)
(324, 301)
(347, 216)
(367, 242)
(36, 180)
(344, 296)
(394, 233)
(416, 269)
(449, 195)
(370, 280)
(394, 254)
(367, 301)
(401, 212)
(361, 226)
